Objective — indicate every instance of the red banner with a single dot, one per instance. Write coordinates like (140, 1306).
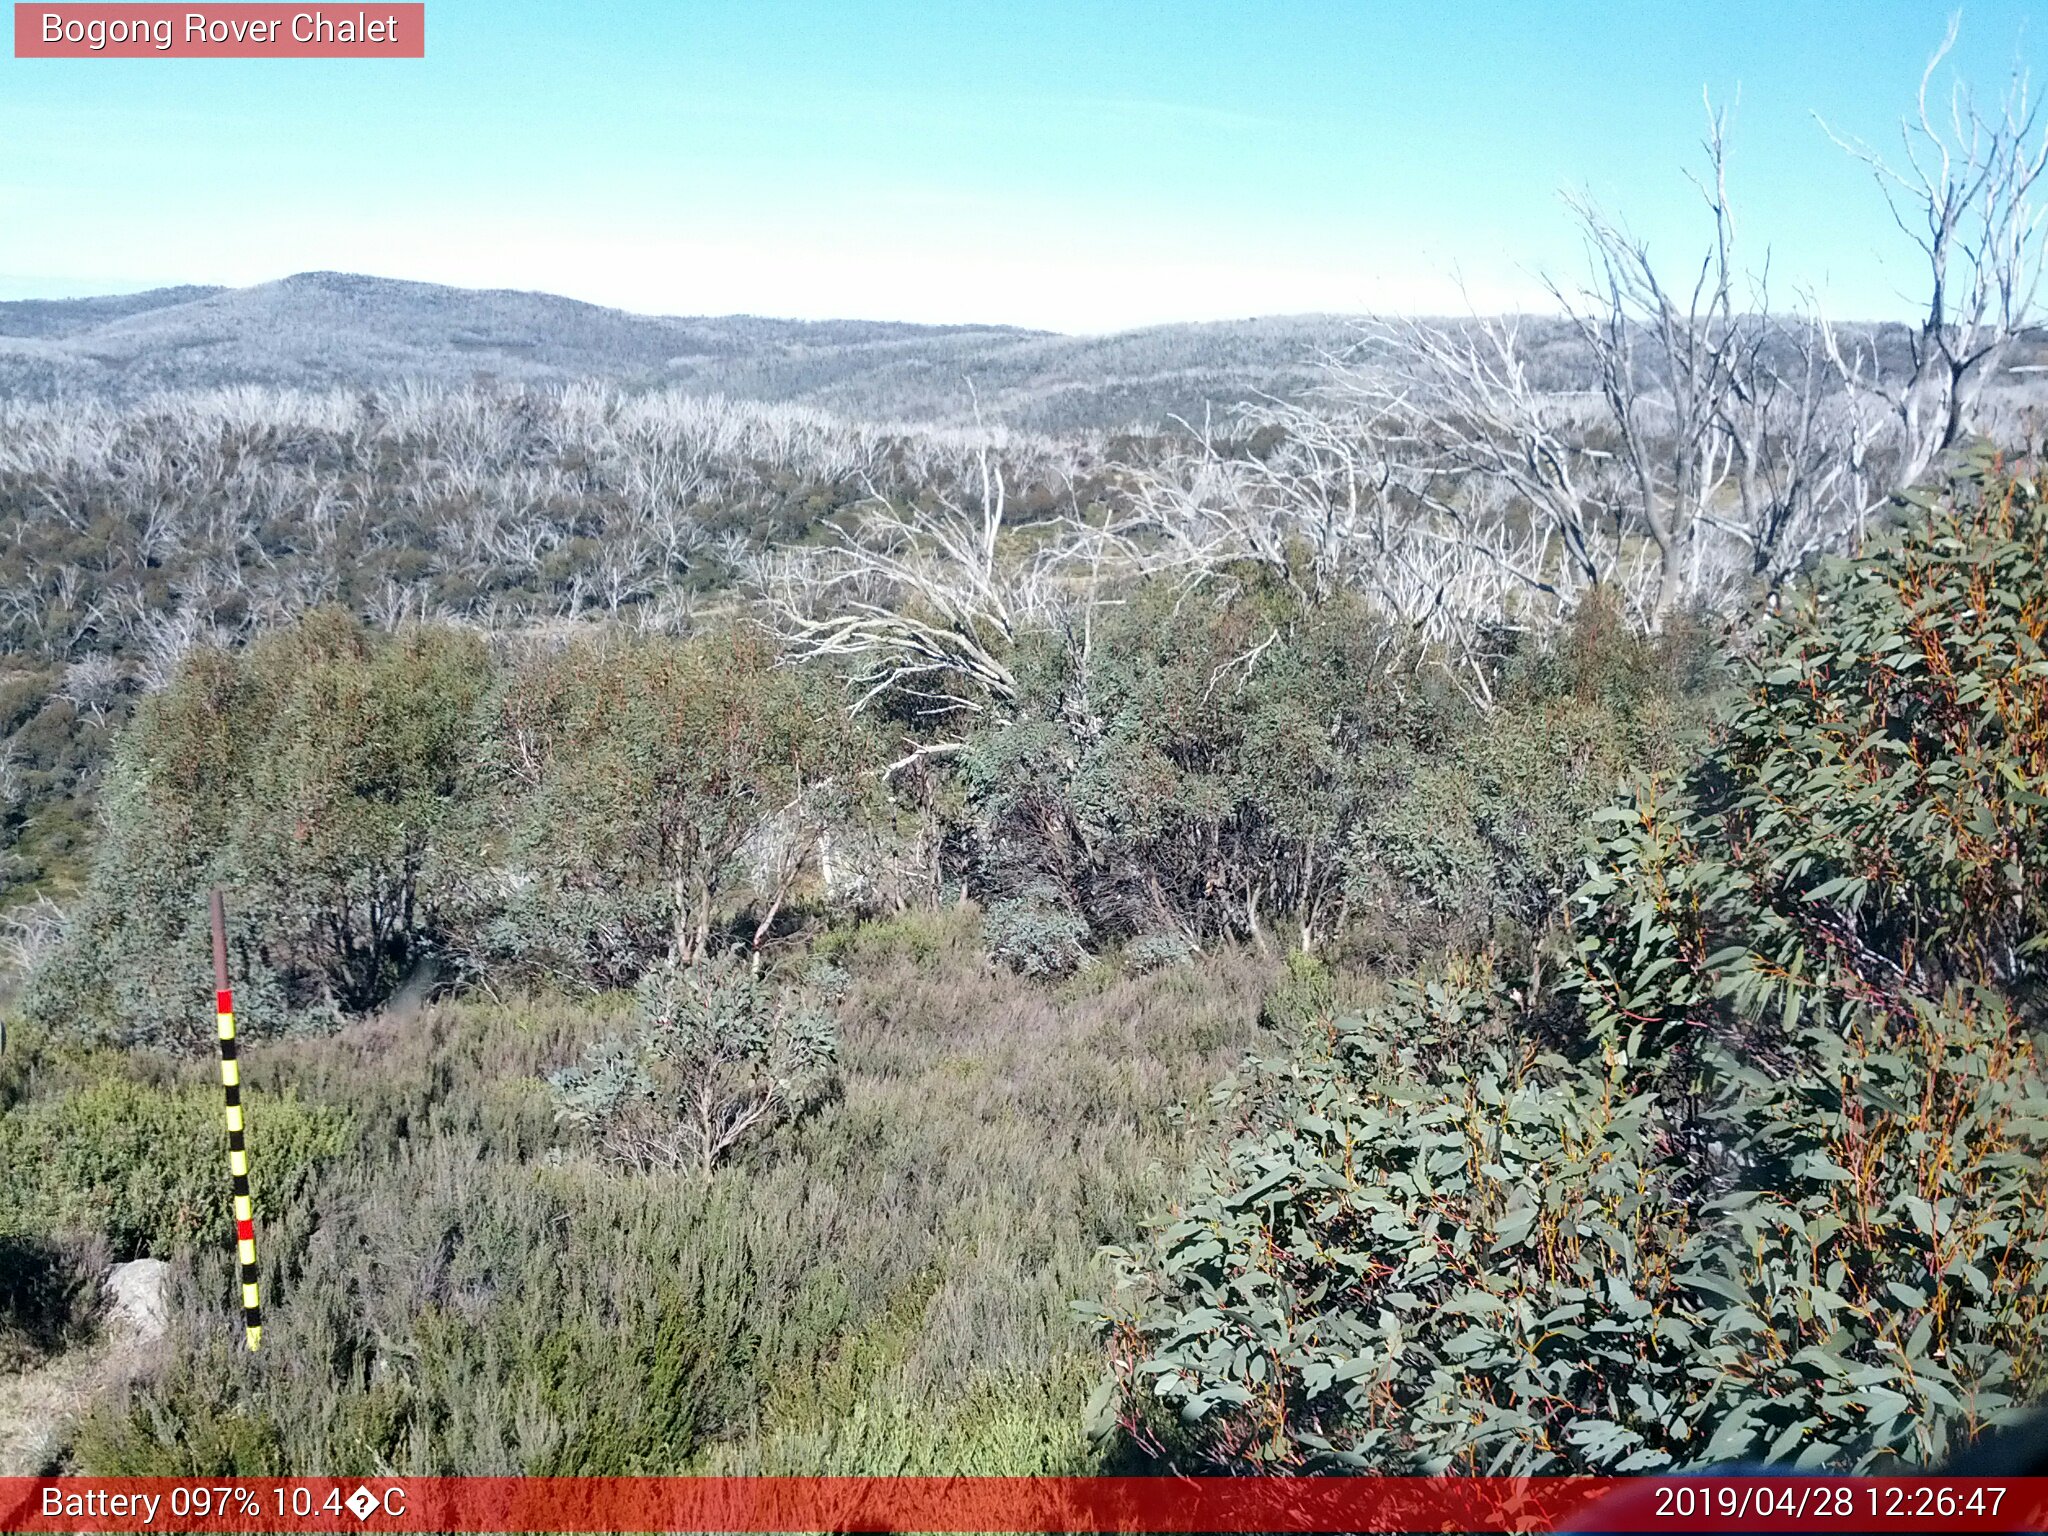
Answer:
(1051, 1504)
(104, 31)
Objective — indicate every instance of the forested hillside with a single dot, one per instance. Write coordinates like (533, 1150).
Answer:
(323, 330)
(333, 330)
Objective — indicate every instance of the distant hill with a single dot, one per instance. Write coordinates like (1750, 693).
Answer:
(71, 317)
(326, 329)
(321, 329)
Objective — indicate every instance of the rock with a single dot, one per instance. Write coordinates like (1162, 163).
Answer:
(135, 1298)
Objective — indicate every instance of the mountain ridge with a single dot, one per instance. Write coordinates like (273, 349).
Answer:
(326, 329)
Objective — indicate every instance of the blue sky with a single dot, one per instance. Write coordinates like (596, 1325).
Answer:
(1076, 164)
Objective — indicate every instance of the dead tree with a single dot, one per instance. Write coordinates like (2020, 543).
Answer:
(922, 605)
(1964, 195)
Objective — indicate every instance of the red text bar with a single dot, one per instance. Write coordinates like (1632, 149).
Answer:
(1004, 1504)
(113, 31)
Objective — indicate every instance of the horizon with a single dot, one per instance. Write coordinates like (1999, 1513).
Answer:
(1058, 170)
(214, 289)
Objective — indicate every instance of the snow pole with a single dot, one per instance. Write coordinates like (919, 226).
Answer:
(238, 1153)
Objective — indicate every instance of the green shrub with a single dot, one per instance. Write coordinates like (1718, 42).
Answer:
(1826, 952)
(720, 1057)
(654, 791)
(1156, 951)
(922, 936)
(1435, 1248)
(1429, 1249)
(1877, 1276)
(145, 1164)
(317, 775)
(1304, 995)
(1237, 764)
(1035, 933)
(1869, 831)
(1779, 1190)
(1463, 841)
(187, 1428)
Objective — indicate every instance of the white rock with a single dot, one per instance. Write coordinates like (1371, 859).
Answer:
(135, 1298)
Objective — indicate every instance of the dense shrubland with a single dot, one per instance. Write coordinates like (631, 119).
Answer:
(509, 1226)
(393, 807)
(319, 775)
(1754, 1168)
(130, 535)
(424, 808)
(1247, 768)
(1720, 1144)
(650, 785)
(884, 1284)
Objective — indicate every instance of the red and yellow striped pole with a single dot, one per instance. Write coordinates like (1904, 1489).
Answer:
(238, 1152)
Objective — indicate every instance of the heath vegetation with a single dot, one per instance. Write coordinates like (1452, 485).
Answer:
(1482, 913)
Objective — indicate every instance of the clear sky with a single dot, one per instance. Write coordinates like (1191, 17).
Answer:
(1082, 165)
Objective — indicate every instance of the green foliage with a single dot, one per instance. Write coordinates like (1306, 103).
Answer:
(1435, 1248)
(1825, 950)
(50, 753)
(1870, 831)
(1430, 1248)
(720, 1057)
(1036, 932)
(1465, 840)
(654, 788)
(1154, 951)
(315, 775)
(921, 937)
(1304, 996)
(1878, 1276)
(1783, 1191)
(1763, 1177)
(1226, 765)
(376, 806)
(143, 1163)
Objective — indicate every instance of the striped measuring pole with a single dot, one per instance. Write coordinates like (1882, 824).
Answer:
(238, 1152)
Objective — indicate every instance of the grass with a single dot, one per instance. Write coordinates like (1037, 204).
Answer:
(886, 1287)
